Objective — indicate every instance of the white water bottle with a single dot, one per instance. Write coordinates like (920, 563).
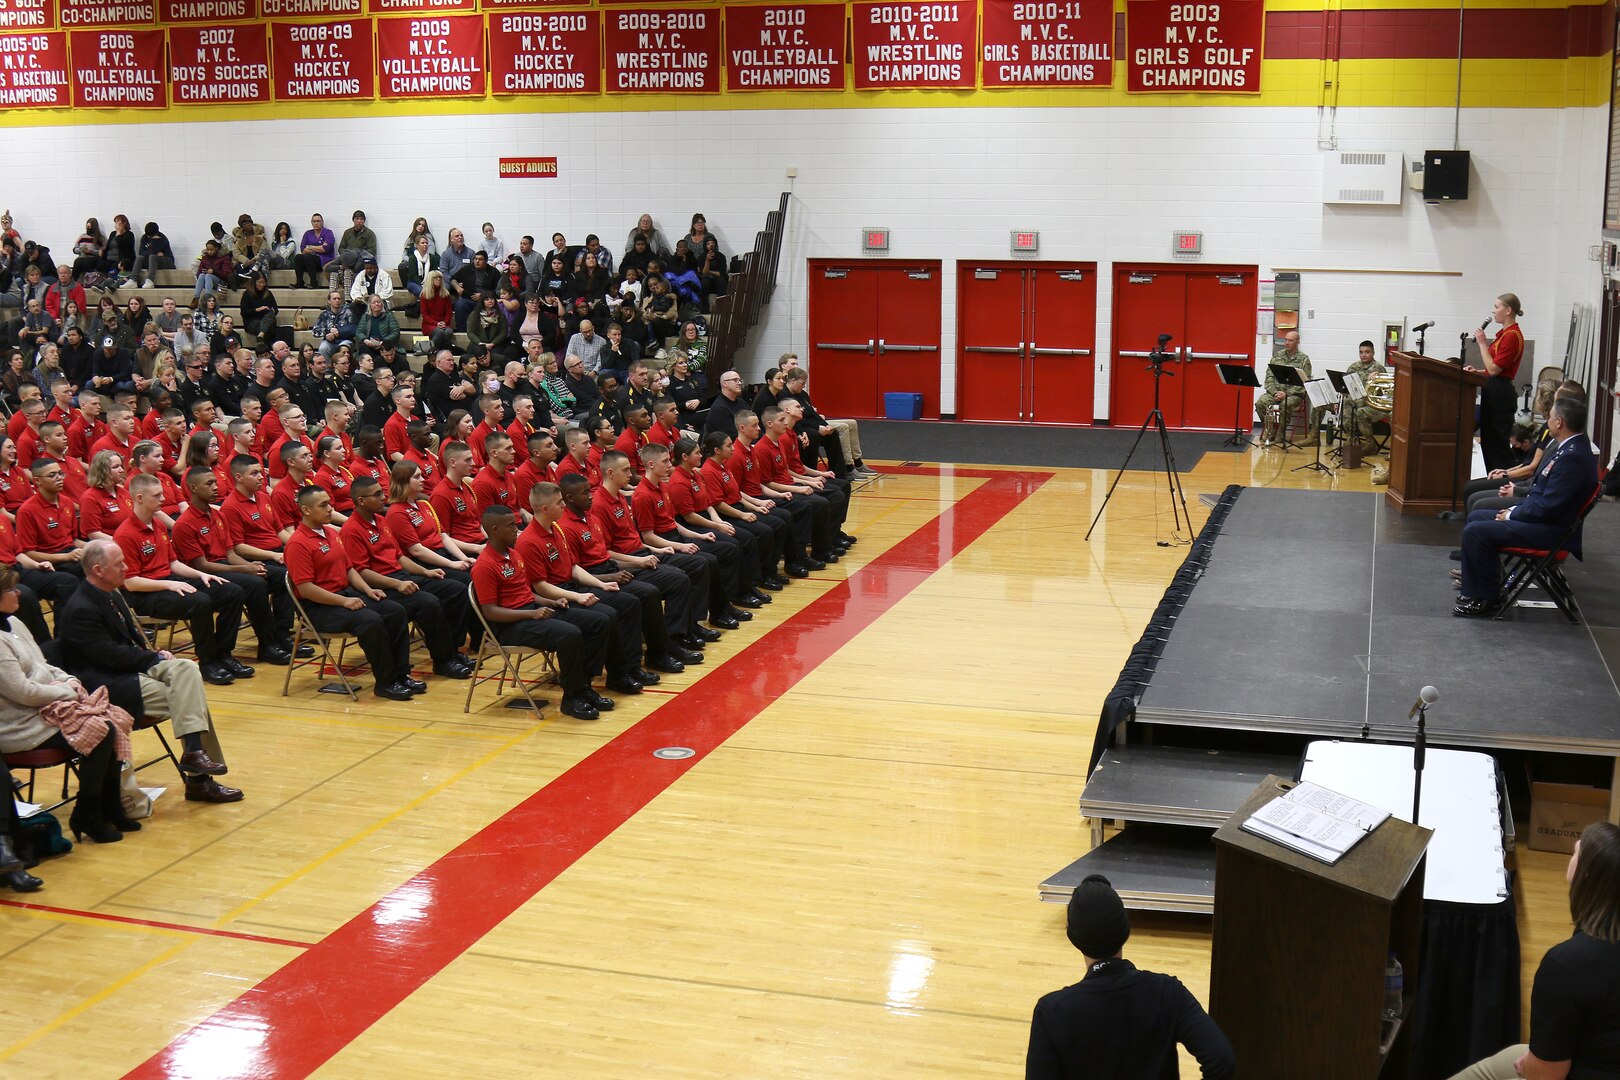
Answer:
(1394, 984)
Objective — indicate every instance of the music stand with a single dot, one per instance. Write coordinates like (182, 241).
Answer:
(1238, 376)
(1342, 387)
(1316, 398)
(1289, 376)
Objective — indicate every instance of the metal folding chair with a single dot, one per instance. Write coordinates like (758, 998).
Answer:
(323, 657)
(44, 758)
(511, 657)
(1525, 567)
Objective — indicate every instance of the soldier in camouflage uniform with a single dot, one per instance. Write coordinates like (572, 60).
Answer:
(1287, 398)
(1359, 419)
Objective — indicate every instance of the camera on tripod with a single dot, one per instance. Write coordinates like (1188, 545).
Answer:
(1160, 356)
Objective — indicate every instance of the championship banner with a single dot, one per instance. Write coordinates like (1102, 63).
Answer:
(329, 61)
(430, 58)
(790, 47)
(663, 50)
(219, 65)
(117, 69)
(526, 5)
(206, 11)
(322, 9)
(34, 71)
(914, 45)
(1047, 43)
(74, 13)
(27, 14)
(545, 53)
(1193, 48)
(394, 7)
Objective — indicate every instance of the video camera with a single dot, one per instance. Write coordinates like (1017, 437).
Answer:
(1160, 356)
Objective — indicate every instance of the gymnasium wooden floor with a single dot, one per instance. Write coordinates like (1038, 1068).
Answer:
(840, 883)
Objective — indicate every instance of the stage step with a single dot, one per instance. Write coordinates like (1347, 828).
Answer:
(1152, 867)
(1175, 785)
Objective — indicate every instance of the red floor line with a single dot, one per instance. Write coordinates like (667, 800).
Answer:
(299, 1017)
(101, 916)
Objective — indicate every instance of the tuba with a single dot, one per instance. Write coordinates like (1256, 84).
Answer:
(1380, 387)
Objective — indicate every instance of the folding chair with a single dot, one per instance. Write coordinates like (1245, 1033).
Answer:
(1525, 567)
(511, 657)
(44, 758)
(323, 657)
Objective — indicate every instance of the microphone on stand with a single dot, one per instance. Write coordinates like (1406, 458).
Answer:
(1427, 696)
(1420, 327)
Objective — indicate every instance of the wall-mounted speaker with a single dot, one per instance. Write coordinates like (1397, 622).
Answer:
(1445, 175)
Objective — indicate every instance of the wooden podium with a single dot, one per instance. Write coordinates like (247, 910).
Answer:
(1296, 975)
(1432, 440)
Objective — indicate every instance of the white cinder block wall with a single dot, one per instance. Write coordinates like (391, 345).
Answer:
(1101, 184)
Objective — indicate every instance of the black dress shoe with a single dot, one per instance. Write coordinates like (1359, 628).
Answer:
(750, 600)
(689, 657)
(208, 789)
(237, 668)
(452, 669)
(828, 556)
(305, 651)
(707, 634)
(669, 665)
(763, 598)
(1469, 608)
(217, 674)
(689, 641)
(812, 563)
(603, 704)
(21, 881)
(623, 684)
(275, 654)
(645, 677)
(1456, 555)
(775, 583)
(415, 686)
(198, 762)
(394, 691)
(846, 539)
(742, 615)
(579, 707)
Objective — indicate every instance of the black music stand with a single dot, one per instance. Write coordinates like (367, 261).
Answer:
(1289, 376)
(1342, 388)
(1239, 376)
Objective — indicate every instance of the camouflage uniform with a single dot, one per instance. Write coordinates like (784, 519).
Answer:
(1296, 394)
(1360, 424)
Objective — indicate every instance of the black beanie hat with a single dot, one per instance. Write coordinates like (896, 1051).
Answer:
(1098, 925)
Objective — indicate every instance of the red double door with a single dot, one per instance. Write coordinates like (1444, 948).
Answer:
(874, 330)
(1025, 335)
(1209, 313)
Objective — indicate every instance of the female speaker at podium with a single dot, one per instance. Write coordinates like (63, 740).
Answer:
(1501, 357)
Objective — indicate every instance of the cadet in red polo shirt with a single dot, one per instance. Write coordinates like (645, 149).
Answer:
(296, 430)
(202, 540)
(522, 429)
(438, 607)
(368, 458)
(454, 502)
(664, 592)
(415, 527)
(47, 528)
(539, 466)
(120, 430)
(396, 429)
(494, 415)
(772, 528)
(694, 510)
(744, 470)
(662, 531)
(501, 584)
(161, 586)
(53, 444)
(825, 484)
(589, 600)
(577, 459)
(87, 427)
(333, 473)
(666, 426)
(493, 484)
(338, 600)
(37, 580)
(421, 453)
(777, 483)
(634, 436)
(297, 466)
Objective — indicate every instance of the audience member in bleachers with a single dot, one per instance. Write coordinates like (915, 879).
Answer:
(649, 234)
(354, 245)
(215, 271)
(492, 246)
(370, 280)
(455, 255)
(283, 248)
(418, 263)
(726, 405)
(87, 249)
(316, 249)
(376, 328)
(420, 230)
(103, 646)
(260, 311)
(487, 326)
(152, 253)
(469, 284)
(250, 252)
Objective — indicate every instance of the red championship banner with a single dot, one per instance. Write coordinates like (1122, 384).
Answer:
(787, 47)
(34, 71)
(913, 45)
(395, 7)
(117, 69)
(287, 9)
(1047, 43)
(440, 56)
(1193, 48)
(27, 14)
(219, 65)
(75, 13)
(329, 61)
(525, 5)
(663, 50)
(206, 11)
(556, 52)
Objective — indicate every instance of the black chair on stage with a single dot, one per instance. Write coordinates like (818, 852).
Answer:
(1524, 567)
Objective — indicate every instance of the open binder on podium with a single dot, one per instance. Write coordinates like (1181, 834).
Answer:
(1314, 821)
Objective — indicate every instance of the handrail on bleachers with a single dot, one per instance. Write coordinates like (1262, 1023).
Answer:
(747, 292)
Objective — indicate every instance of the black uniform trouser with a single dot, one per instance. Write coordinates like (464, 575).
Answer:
(749, 566)
(598, 628)
(275, 583)
(780, 521)
(554, 635)
(702, 572)
(666, 602)
(836, 492)
(803, 517)
(769, 535)
(830, 447)
(1497, 402)
(256, 602)
(436, 610)
(624, 646)
(380, 626)
(724, 558)
(37, 585)
(214, 612)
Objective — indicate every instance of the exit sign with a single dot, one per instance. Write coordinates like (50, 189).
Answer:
(1187, 245)
(1025, 242)
(874, 241)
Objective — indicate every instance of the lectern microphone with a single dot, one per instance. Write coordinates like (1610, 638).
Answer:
(1427, 696)
(1420, 327)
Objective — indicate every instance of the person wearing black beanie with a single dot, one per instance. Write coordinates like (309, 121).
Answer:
(1118, 1023)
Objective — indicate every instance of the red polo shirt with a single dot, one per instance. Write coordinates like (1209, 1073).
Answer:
(62, 416)
(546, 554)
(44, 527)
(431, 472)
(284, 505)
(686, 492)
(653, 508)
(8, 543)
(318, 557)
(744, 469)
(108, 442)
(376, 468)
(585, 542)
(16, 487)
(269, 428)
(14, 426)
(718, 484)
(27, 447)
(278, 468)
(100, 511)
(83, 434)
(171, 452)
(525, 476)
(146, 548)
(251, 521)
(494, 489)
(663, 436)
(370, 546)
(202, 535)
(520, 432)
(75, 477)
(613, 516)
(457, 510)
(396, 440)
(771, 465)
(501, 579)
(335, 482)
(591, 470)
(788, 441)
(150, 424)
(475, 441)
(412, 524)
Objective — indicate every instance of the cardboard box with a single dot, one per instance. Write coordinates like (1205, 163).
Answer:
(1558, 813)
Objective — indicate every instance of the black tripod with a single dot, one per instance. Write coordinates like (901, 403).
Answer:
(1178, 498)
